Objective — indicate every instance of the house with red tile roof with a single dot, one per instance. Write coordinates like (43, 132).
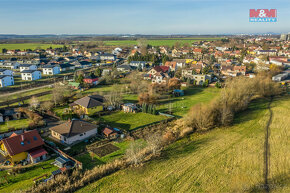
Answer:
(171, 64)
(26, 146)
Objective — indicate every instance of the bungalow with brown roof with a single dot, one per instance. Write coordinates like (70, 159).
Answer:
(89, 104)
(73, 131)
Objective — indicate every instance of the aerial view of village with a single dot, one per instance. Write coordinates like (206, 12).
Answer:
(129, 98)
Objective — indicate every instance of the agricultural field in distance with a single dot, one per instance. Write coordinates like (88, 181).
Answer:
(222, 160)
(25, 46)
(157, 42)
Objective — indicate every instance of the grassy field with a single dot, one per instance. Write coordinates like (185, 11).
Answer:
(130, 121)
(17, 124)
(158, 42)
(24, 180)
(181, 105)
(222, 160)
(25, 46)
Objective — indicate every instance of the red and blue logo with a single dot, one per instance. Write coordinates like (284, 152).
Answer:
(263, 15)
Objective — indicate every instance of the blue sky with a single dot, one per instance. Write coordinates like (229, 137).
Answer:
(138, 16)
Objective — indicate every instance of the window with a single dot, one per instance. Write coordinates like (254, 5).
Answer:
(28, 142)
(35, 138)
(22, 143)
(81, 134)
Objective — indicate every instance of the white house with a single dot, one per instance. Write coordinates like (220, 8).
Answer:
(51, 70)
(9, 64)
(31, 75)
(107, 57)
(6, 80)
(27, 67)
(6, 72)
(73, 131)
(138, 64)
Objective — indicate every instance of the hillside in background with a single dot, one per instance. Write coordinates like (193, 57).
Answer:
(222, 160)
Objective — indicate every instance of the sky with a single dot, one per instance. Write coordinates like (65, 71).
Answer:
(139, 16)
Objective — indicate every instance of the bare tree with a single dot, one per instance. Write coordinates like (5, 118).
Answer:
(34, 103)
(154, 142)
(133, 152)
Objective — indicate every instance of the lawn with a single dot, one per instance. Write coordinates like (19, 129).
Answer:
(181, 105)
(157, 42)
(222, 160)
(22, 181)
(25, 46)
(129, 121)
(17, 124)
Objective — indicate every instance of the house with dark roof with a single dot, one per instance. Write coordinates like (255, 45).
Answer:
(89, 104)
(124, 68)
(6, 80)
(27, 67)
(7, 72)
(26, 146)
(30, 75)
(73, 131)
(50, 69)
(66, 67)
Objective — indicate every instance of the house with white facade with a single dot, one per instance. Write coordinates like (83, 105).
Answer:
(6, 72)
(27, 67)
(50, 70)
(31, 75)
(6, 80)
(73, 131)
(138, 64)
(9, 64)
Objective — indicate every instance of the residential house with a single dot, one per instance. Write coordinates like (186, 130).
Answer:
(171, 64)
(87, 103)
(106, 56)
(130, 108)
(31, 75)
(138, 64)
(27, 67)
(160, 78)
(240, 69)
(84, 64)
(124, 68)
(267, 52)
(6, 72)
(201, 78)
(66, 67)
(26, 146)
(180, 63)
(50, 70)
(163, 69)
(73, 131)
(6, 80)
(91, 80)
(282, 76)
(9, 64)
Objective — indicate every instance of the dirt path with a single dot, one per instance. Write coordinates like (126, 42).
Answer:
(267, 148)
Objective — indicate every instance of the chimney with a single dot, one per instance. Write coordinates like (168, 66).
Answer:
(22, 137)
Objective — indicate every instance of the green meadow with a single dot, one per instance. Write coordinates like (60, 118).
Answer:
(158, 42)
(25, 46)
